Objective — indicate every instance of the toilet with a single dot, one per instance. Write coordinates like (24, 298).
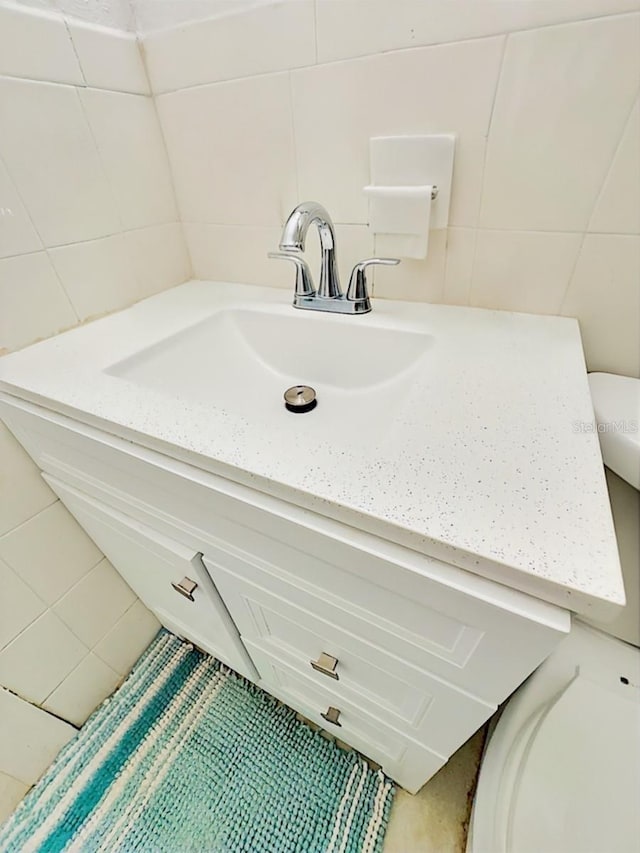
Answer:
(561, 768)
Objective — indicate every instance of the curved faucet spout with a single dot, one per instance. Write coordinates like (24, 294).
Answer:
(294, 235)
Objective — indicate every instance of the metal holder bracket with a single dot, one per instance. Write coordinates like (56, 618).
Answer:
(332, 715)
(185, 587)
(326, 665)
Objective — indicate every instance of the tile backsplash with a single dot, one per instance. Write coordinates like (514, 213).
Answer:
(276, 104)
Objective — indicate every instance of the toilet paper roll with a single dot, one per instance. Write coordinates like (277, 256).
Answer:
(402, 211)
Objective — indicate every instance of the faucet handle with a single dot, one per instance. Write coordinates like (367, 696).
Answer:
(358, 290)
(304, 283)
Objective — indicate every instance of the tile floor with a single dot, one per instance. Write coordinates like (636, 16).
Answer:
(436, 819)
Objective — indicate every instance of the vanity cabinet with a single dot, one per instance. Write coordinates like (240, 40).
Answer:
(399, 655)
(168, 577)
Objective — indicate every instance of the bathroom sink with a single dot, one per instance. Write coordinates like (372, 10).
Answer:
(243, 359)
(447, 430)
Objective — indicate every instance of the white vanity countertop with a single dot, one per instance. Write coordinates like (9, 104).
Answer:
(486, 464)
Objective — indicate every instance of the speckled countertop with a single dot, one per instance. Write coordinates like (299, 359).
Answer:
(478, 460)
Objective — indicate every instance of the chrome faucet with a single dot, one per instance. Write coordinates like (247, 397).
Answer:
(329, 295)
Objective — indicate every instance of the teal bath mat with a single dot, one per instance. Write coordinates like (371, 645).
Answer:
(187, 757)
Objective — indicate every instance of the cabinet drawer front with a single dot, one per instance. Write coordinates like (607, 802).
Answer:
(467, 630)
(406, 761)
(383, 685)
(168, 577)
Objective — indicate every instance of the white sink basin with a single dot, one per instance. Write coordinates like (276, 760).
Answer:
(447, 430)
(242, 360)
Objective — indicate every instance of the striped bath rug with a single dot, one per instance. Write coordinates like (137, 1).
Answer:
(188, 756)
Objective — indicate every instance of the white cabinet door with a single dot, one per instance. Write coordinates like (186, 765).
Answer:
(168, 577)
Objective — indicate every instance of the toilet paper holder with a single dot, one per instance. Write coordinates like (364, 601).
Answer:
(410, 191)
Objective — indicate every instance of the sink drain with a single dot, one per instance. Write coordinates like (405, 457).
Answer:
(300, 399)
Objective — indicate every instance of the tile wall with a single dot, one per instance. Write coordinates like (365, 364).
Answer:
(88, 224)
(275, 104)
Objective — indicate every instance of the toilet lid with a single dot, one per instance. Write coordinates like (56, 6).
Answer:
(579, 787)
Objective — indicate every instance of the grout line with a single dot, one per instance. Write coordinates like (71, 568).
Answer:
(495, 95)
(73, 47)
(603, 185)
(41, 82)
(574, 266)
(40, 708)
(477, 229)
(630, 234)
(101, 161)
(587, 231)
(43, 249)
(315, 27)
(296, 168)
(62, 287)
(176, 199)
(25, 207)
(488, 133)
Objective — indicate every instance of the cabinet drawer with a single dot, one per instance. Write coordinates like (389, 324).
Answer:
(446, 634)
(161, 572)
(408, 762)
(383, 685)
(469, 631)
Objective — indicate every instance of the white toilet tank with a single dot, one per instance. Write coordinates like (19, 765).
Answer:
(616, 404)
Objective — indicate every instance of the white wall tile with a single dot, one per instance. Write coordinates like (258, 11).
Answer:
(617, 210)
(461, 251)
(83, 690)
(17, 234)
(29, 738)
(23, 492)
(19, 605)
(37, 661)
(605, 297)
(416, 280)
(93, 606)
(236, 163)
(109, 59)
(128, 136)
(97, 276)
(338, 107)
(126, 641)
(523, 271)
(36, 44)
(50, 552)
(50, 154)
(236, 253)
(159, 256)
(107, 13)
(347, 28)
(27, 281)
(257, 40)
(564, 96)
(11, 792)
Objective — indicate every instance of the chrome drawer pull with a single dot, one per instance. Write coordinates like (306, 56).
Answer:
(185, 587)
(326, 665)
(332, 716)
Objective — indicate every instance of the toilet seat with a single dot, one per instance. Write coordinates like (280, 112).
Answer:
(557, 775)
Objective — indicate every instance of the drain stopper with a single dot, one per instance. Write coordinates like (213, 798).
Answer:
(300, 398)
